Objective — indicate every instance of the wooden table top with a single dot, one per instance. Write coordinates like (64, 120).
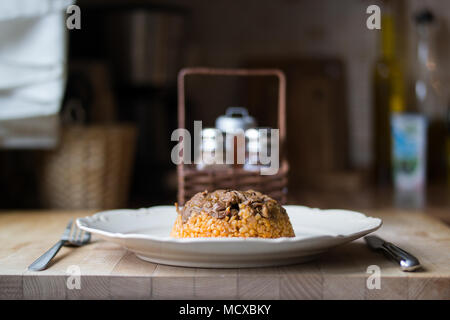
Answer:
(111, 272)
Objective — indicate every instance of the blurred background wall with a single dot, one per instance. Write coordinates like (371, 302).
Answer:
(229, 33)
(323, 46)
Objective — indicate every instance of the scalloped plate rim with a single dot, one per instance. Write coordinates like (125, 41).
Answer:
(83, 223)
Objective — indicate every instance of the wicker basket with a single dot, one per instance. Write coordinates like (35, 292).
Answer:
(91, 168)
(191, 180)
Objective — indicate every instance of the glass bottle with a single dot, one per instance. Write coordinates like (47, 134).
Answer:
(389, 98)
(429, 93)
(448, 146)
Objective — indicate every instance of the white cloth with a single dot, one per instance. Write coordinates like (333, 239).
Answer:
(33, 47)
(32, 57)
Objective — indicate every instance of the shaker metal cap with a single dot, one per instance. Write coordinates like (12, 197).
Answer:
(235, 118)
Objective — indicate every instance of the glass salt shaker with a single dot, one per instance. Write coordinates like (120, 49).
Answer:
(258, 140)
(211, 150)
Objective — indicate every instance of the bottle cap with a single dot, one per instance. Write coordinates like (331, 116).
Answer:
(424, 16)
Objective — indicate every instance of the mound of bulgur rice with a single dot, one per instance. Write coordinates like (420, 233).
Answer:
(231, 213)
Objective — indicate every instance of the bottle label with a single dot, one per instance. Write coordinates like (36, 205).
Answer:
(409, 151)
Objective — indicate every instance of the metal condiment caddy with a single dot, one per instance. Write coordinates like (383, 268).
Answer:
(192, 179)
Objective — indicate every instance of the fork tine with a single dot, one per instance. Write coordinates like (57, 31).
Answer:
(75, 234)
(68, 229)
(87, 236)
(80, 235)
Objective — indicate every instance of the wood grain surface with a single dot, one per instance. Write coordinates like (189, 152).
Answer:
(109, 271)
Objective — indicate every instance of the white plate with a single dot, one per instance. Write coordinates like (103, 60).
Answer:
(146, 233)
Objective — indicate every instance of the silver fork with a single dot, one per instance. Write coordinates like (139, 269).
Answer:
(72, 236)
